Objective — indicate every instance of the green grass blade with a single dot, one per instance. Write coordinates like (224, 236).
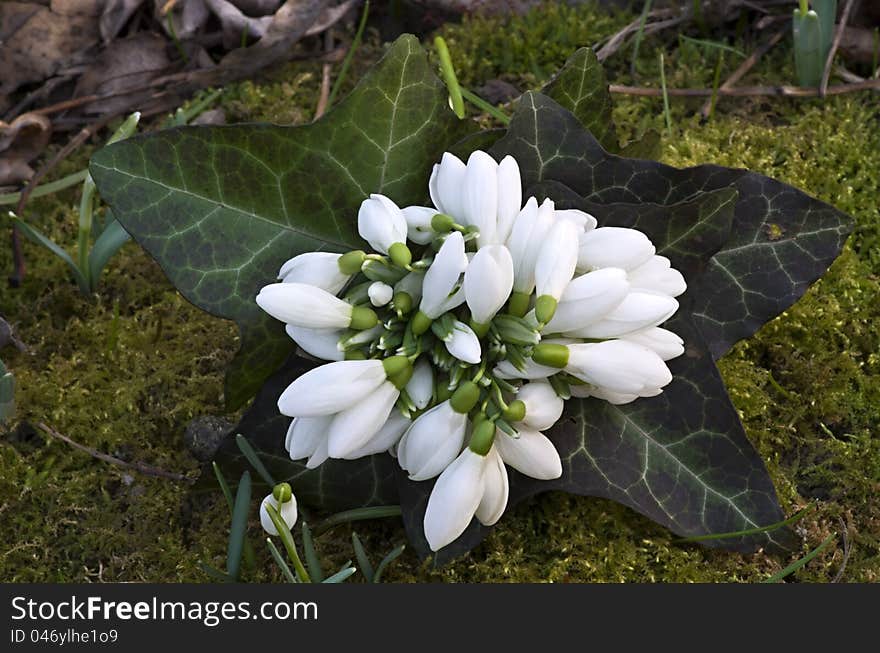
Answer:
(387, 560)
(713, 44)
(249, 555)
(666, 113)
(46, 189)
(280, 561)
(363, 560)
(316, 572)
(108, 243)
(750, 531)
(481, 104)
(287, 540)
(214, 573)
(793, 567)
(34, 235)
(254, 459)
(342, 575)
(239, 526)
(343, 71)
(358, 514)
(638, 41)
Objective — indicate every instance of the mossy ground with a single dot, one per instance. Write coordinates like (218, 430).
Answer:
(124, 371)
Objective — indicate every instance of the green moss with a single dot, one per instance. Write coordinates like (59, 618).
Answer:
(807, 385)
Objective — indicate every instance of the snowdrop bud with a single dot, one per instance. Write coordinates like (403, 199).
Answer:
(353, 427)
(319, 269)
(381, 223)
(588, 298)
(418, 223)
(454, 499)
(495, 489)
(445, 185)
(480, 196)
(531, 454)
(433, 441)
(583, 220)
(618, 366)
(528, 233)
(320, 343)
(308, 306)
(488, 281)
(286, 510)
(439, 293)
(509, 197)
(666, 344)
(305, 435)
(613, 247)
(543, 405)
(554, 267)
(658, 275)
(331, 388)
(421, 386)
(386, 438)
(638, 310)
(380, 293)
(532, 370)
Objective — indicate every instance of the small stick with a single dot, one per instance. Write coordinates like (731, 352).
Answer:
(847, 550)
(838, 35)
(148, 470)
(746, 91)
(743, 68)
(325, 77)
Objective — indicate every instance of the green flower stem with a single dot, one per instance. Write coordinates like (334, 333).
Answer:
(287, 539)
(480, 103)
(449, 76)
(46, 189)
(86, 209)
(349, 55)
(793, 567)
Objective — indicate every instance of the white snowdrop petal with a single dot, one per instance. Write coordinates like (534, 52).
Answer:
(506, 370)
(619, 366)
(353, 427)
(583, 220)
(433, 441)
(488, 281)
(330, 388)
(480, 196)
(528, 233)
(637, 311)
(509, 197)
(666, 344)
(446, 184)
(384, 439)
(658, 275)
(443, 276)
(613, 247)
(320, 343)
(532, 454)
(464, 344)
(420, 387)
(381, 223)
(418, 223)
(288, 513)
(556, 261)
(543, 405)
(305, 435)
(319, 269)
(589, 298)
(496, 489)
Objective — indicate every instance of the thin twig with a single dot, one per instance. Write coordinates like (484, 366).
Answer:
(744, 91)
(744, 67)
(148, 470)
(614, 43)
(838, 35)
(326, 69)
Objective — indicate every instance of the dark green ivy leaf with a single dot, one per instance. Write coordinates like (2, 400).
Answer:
(221, 208)
(782, 239)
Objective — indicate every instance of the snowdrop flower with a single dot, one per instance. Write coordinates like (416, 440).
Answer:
(665, 344)
(613, 247)
(311, 307)
(463, 343)
(496, 489)
(543, 407)
(488, 281)
(418, 224)
(380, 293)
(446, 183)
(531, 454)
(440, 291)
(554, 267)
(454, 499)
(638, 310)
(333, 387)
(509, 197)
(531, 370)
(588, 298)
(421, 386)
(284, 502)
(529, 230)
(384, 439)
(437, 436)
(480, 196)
(319, 269)
(658, 275)
(354, 427)
(305, 435)
(382, 224)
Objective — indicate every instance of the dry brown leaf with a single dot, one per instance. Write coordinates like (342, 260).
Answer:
(236, 26)
(115, 15)
(21, 141)
(186, 16)
(37, 41)
(257, 7)
(329, 17)
(126, 64)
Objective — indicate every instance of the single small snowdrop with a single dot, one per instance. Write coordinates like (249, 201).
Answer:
(320, 343)
(282, 500)
(421, 386)
(441, 289)
(311, 307)
(380, 293)
(382, 224)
